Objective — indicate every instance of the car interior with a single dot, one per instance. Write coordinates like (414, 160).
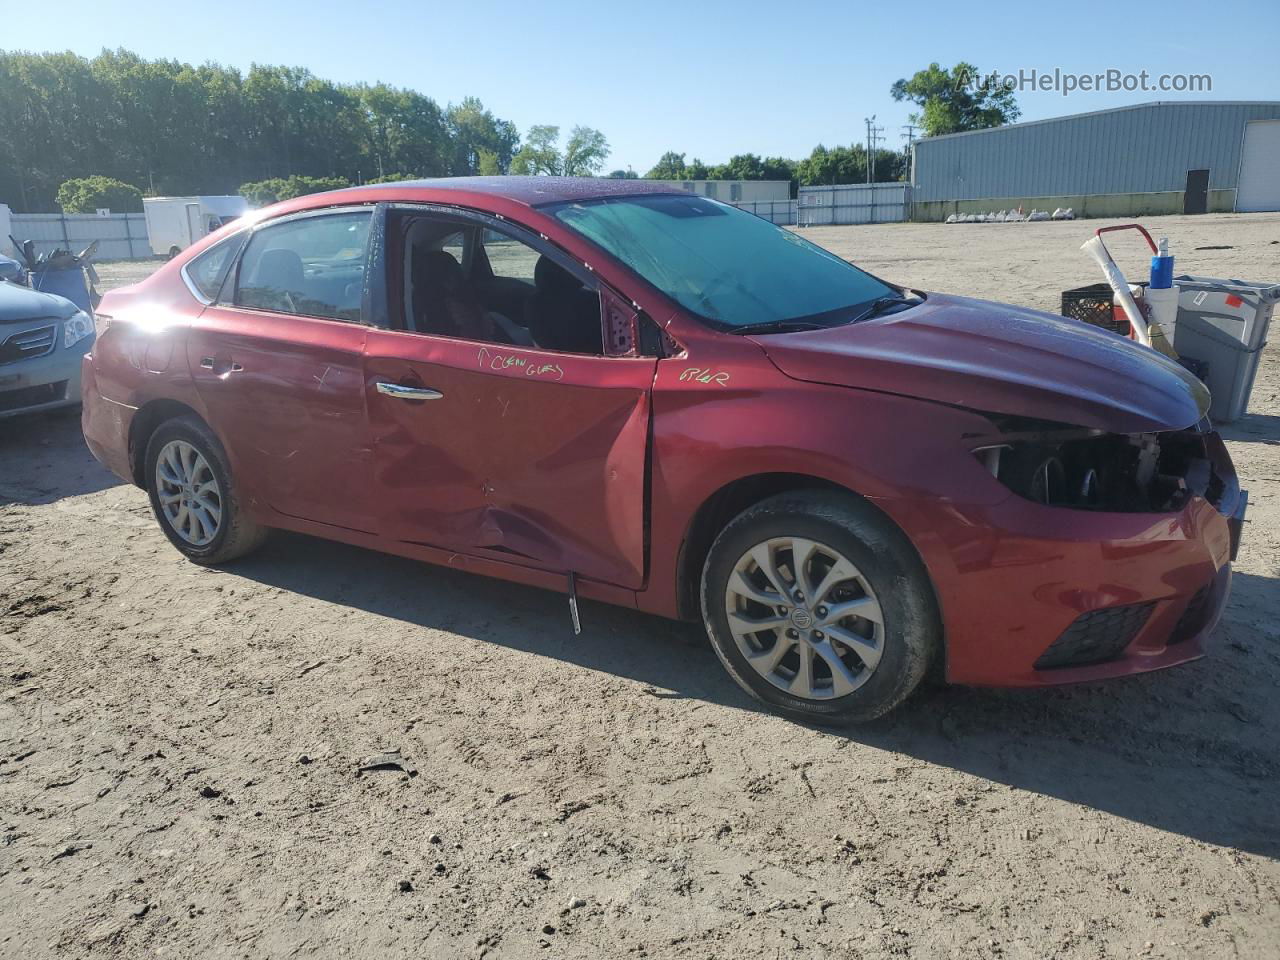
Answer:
(313, 267)
(460, 279)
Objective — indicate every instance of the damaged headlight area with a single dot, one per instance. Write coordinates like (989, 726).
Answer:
(1083, 469)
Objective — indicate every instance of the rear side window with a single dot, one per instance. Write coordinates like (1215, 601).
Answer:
(206, 271)
(311, 267)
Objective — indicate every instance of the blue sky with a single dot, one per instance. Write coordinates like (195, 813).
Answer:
(712, 80)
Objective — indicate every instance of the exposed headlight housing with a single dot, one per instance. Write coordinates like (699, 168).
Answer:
(75, 328)
(1091, 470)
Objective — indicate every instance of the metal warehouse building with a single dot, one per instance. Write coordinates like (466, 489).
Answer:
(1149, 158)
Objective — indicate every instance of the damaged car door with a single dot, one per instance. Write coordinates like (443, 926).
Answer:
(531, 453)
(278, 363)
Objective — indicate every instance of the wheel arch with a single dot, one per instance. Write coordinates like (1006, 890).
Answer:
(738, 495)
(716, 511)
(145, 422)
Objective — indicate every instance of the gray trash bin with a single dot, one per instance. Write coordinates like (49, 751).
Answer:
(1223, 324)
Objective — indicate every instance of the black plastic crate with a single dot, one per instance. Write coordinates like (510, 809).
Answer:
(1092, 304)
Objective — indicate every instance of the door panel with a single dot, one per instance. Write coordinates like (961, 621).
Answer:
(286, 395)
(528, 455)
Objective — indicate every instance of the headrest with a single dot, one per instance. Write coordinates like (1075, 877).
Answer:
(439, 269)
(549, 276)
(279, 268)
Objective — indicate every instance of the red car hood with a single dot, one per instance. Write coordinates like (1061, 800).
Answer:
(1002, 359)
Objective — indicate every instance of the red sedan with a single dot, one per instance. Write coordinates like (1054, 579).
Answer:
(641, 396)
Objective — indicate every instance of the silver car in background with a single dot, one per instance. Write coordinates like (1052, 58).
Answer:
(42, 339)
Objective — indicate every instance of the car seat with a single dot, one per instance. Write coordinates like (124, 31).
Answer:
(563, 314)
(442, 301)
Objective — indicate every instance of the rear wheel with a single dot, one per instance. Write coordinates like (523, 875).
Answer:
(174, 251)
(819, 606)
(193, 496)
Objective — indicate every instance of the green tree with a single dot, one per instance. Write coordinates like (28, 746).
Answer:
(475, 134)
(670, 166)
(173, 128)
(487, 163)
(841, 164)
(87, 194)
(275, 189)
(697, 170)
(623, 175)
(956, 99)
(540, 156)
(584, 153)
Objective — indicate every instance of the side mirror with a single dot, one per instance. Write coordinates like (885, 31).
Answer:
(10, 269)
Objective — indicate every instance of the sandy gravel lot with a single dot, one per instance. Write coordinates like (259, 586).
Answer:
(180, 748)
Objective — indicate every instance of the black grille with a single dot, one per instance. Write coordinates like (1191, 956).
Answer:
(32, 396)
(1096, 636)
(28, 344)
(1194, 617)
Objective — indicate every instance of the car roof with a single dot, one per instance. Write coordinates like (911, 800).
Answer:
(535, 191)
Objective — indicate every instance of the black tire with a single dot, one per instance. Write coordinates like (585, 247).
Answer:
(237, 534)
(173, 252)
(912, 632)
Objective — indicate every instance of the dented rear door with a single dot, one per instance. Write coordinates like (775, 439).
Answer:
(523, 455)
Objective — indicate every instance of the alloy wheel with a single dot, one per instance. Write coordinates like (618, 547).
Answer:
(805, 618)
(189, 495)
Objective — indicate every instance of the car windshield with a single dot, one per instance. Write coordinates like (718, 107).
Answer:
(728, 266)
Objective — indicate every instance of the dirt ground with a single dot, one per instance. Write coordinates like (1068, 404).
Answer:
(180, 748)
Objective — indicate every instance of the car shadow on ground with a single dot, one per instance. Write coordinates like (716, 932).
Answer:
(43, 459)
(1165, 749)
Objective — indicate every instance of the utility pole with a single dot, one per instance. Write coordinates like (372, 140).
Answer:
(873, 137)
(870, 121)
(910, 156)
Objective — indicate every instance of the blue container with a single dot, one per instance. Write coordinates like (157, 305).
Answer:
(1162, 267)
(69, 282)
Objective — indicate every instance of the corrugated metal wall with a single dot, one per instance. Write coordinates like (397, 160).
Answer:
(853, 203)
(781, 212)
(1143, 149)
(120, 236)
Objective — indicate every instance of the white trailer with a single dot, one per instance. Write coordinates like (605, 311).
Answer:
(174, 223)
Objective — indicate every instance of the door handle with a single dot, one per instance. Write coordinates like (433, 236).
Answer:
(408, 393)
(206, 362)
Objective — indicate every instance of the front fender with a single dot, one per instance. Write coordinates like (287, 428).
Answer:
(896, 451)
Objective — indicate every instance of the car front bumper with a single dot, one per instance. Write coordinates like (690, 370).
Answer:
(1033, 595)
(42, 383)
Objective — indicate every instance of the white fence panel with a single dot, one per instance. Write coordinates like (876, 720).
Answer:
(120, 236)
(853, 203)
(781, 212)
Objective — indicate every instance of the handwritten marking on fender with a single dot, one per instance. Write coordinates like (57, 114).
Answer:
(700, 375)
(506, 361)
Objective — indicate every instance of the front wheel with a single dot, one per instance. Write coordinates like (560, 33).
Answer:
(193, 495)
(818, 606)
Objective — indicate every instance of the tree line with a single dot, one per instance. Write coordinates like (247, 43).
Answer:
(104, 131)
(167, 127)
(823, 166)
(951, 99)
